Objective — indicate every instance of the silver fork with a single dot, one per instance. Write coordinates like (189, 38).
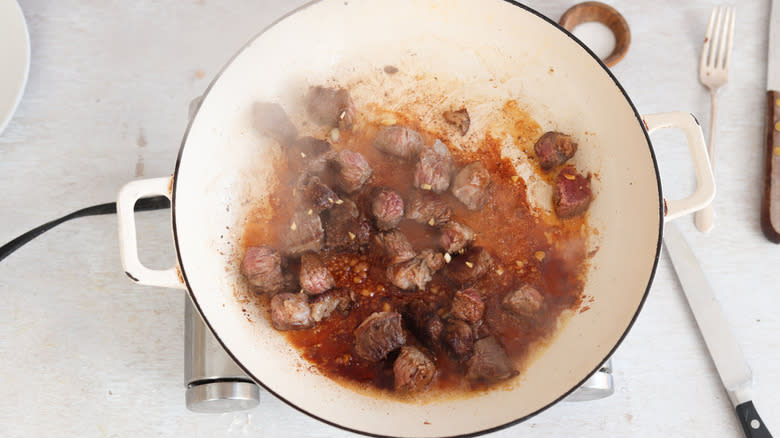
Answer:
(713, 74)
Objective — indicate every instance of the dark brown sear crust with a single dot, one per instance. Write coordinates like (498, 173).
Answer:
(510, 232)
(378, 335)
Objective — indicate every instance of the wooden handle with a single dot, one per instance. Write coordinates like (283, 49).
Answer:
(770, 204)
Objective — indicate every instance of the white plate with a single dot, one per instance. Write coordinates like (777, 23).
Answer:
(14, 57)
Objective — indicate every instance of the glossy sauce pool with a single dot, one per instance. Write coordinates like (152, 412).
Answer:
(529, 247)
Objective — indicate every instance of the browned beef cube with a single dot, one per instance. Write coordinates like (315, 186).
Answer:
(459, 338)
(387, 207)
(378, 335)
(304, 234)
(425, 323)
(271, 120)
(409, 275)
(351, 170)
(572, 194)
(553, 149)
(467, 305)
(413, 371)
(312, 194)
(396, 246)
(330, 107)
(525, 301)
(323, 305)
(489, 363)
(472, 186)
(399, 141)
(304, 150)
(262, 266)
(314, 276)
(455, 236)
(470, 266)
(460, 119)
(346, 229)
(434, 168)
(434, 260)
(290, 312)
(427, 208)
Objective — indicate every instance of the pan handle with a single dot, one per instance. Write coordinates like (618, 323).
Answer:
(705, 180)
(128, 245)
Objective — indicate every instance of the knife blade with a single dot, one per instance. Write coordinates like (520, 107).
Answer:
(770, 202)
(735, 374)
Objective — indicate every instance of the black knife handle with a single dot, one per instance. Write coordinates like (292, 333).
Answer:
(752, 424)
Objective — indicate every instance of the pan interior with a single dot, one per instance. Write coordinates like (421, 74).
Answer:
(489, 52)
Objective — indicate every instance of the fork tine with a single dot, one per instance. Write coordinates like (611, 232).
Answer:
(725, 19)
(715, 38)
(705, 50)
(724, 36)
(731, 37)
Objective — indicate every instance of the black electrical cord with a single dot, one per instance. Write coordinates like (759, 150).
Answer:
(145, 204)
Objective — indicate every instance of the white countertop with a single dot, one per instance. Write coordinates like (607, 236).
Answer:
(84, 352)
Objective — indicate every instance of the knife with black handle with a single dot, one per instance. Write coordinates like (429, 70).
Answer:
(734, 371)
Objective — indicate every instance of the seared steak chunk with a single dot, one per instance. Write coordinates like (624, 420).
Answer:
(378, 335)
(290, 312)
(323, 305)
(312, 194)
(302, 151)
(409, 275)
(459, 338)
(314, 276)
(396, 246)
(553, 149)
(472, 186)
(460, 119)
(330, 107)
(399, 141)
(271, 120)
(470, 266)
(489, 363)
(525, 301)
(434, 260)
(427, 208)
(387, 207)
(351, 170)
(262, 266)
(572, 194)
(425, 323)
(413, 371)
(304, 233)
(455, 236)
(467, 305)
(345, 227)
(434, 168)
